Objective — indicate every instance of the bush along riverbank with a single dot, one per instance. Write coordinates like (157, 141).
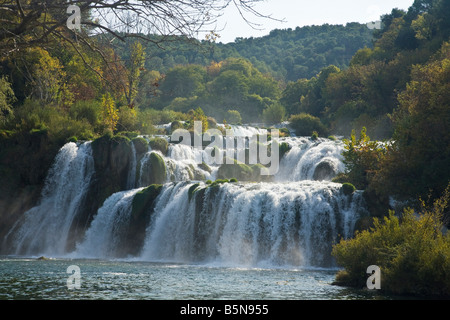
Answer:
(411, 245)
(411, 248)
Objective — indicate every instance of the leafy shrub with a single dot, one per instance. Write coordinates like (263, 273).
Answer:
(411, 251)
(233, 117)
(284, 148)
(274, 113)
(305, 124)
(362, 158)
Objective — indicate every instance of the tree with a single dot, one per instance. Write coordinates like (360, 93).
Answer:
(305, 124)
(292, 95)
(418, 161)
(135, 66)
(7, 97)
(184, 82)
(233, 117)
(274, 113)
(411, 250)
(110, 112)
(362, 158)
(27, 23)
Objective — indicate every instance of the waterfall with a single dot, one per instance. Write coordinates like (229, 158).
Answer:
(131, 181)
(103, 238)
(45, 228)
(291, 221)
(251, 224)
(311, 160)
(182, 166)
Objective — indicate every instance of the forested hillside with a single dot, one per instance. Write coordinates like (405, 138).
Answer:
(324, 79)
(285, 54)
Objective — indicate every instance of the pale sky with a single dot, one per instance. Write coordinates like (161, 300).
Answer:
(299, 13)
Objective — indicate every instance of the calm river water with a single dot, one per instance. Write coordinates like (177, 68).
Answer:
(30, 278)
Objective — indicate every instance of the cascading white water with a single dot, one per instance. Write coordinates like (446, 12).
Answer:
(306, 155)
(291, 221)
(243, 131)
(131, 181)
(182, 165)
(252, 224)
(45, 228)
(102, 239)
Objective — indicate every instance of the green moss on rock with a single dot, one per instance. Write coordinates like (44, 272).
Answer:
(144, 200)
(192, 190)
(160, 144)
(348, 188)
(158, 169)
(140, 144)
(237, 169)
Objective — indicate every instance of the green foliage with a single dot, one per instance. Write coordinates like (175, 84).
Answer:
(305, 124)
(274, 113)
(362, 159)
(283, 149)
(418, 160)
(7, 97)
(292, 95)
(233, 117)
(411, 251)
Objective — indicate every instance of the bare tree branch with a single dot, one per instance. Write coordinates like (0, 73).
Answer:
(29, 22)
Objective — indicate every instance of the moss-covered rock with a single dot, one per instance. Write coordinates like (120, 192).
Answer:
(143, 200)
(240, 170)
(142, 208)
(159, 144)
(218, 182)
(154, 170)
(205, 167)
(141, 145)
(348, 188)
(284, 148)
(192, 190)
(158, 168)
(175, 125)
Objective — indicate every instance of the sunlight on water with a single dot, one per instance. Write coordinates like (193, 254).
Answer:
(100, 279)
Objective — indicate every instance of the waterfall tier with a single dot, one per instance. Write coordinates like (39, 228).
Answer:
(292, 218)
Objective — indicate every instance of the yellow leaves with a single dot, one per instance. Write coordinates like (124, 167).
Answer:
(214, 68)
(422, 27)
(47, 75)
(110, 112)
